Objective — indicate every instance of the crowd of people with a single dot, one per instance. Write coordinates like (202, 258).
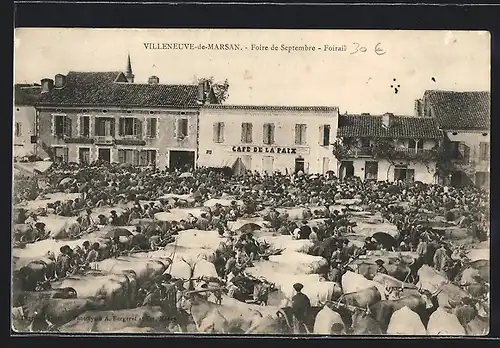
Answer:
(407, 205)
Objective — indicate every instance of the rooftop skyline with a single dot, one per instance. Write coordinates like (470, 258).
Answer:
(361, 82)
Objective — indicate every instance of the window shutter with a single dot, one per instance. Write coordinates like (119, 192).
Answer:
(137, 127)
(174, 128)
(67, 124)
(112, 127)
(121, 127)
(215, 129)
(53, 125)
(321, 140)
(304, 134)
(121, 156)
(79, 126)
(297, 134)
(250, 132)
(265, 133)
(243, 132)
(147, 124)
(157, 128)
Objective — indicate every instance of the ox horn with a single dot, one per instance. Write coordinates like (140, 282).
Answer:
(368, 311)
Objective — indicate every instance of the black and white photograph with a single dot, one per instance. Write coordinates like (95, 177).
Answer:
(251, 182)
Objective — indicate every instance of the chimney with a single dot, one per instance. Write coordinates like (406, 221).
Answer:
(153, 80)
(47, 85)
(201, 92)
(418, 108)
(59, 81)
(387, 119)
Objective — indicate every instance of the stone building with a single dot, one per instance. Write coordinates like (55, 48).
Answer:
(268, 138)
(24, 139)
(86, 116)
(464, 118)
(387, 147)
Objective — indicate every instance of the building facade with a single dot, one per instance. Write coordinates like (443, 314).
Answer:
(387, 147)
(24, 139)
(86, 116)
(464, 118)
(268, 138)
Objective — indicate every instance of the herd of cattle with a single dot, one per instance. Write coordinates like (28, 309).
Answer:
(105, 299)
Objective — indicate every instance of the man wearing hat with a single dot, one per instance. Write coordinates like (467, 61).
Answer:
(381, 268)
(63, 262)
(305, 230)
(301, 308)
(39, 233)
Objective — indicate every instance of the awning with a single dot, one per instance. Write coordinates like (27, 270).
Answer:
(32, 167)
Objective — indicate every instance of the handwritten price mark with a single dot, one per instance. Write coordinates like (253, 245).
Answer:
(378, 49)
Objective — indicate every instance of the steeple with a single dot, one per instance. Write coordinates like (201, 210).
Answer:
(129, 74)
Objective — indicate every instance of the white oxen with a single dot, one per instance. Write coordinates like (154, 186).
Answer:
(354, 282)
(443, 323)
(288, 243)
(328, 322)
(406, 322)
(430, 279)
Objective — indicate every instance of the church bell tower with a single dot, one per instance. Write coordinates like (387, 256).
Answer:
(129, 74)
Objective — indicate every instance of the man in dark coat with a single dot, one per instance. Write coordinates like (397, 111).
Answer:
(381, 268)
(301, 309)
(305, 230)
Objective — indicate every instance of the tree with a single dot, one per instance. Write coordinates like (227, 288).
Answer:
(220, 88)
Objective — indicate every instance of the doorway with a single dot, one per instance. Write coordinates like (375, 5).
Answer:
(346, 169)
(84, 155)
(326, 165)
(299, 165)
(104, 155)
(404, 174)
(182, 160)
(371, 170)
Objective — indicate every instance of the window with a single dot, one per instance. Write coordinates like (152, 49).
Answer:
(268, 164)
(62, 126)
(182, 128)
(85, 126)
(61, 154)
(151, 127)
(484, 151)
(104, 126)
(300, 134)
(19, 132)
(246, 133)
(218, 132)
(84, 155)
(464, 151)
(325, 141)
(147, 157)
(268, 136)
(130, 126)
(128, 156)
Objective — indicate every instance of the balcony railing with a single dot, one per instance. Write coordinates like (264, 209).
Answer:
(367, 151)
(104, 139)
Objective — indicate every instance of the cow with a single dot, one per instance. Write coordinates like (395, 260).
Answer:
(113, 320)
(239, 319)
(404, 321)
(383, 310)
(444, 323)
(363, 323)
(269, 325)
(23, 232)
(362, 298)
(328, 322)
(58, 312)
(399, 269)
(214, 322)
(25, 297)
(479, 326)
(465, 312)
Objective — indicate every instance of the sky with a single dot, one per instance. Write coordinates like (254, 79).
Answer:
(360, 82)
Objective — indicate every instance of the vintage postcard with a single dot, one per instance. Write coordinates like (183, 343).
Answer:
(254, 182)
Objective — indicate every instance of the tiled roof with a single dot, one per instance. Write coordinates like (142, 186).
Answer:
(26, 94)
(271, 107)
(101, 89)
(401, 127)
(460, 110)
